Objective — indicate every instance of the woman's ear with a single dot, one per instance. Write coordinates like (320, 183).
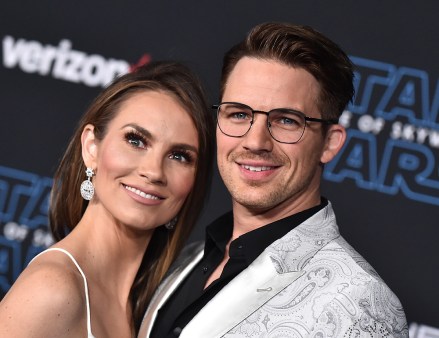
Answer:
(89, 146)
(334, 140)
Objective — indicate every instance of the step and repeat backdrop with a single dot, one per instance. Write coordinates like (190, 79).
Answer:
(57, 55)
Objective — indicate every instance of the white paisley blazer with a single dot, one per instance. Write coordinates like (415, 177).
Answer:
(309, 283)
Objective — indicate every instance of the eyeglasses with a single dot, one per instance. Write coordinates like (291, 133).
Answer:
(285, 125)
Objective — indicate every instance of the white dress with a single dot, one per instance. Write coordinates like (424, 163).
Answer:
(89, 334)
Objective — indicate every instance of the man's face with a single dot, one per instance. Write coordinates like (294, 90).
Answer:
(260, 173)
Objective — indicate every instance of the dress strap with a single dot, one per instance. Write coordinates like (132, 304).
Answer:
(90, 335)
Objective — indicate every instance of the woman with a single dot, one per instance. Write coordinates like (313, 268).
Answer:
(144, 143)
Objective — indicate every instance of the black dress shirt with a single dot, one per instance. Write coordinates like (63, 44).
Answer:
(191, 296)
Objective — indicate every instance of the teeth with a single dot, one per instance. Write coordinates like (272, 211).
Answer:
(251, 168)
(141, 193)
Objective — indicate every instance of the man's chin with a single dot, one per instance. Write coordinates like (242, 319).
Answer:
(257, 204)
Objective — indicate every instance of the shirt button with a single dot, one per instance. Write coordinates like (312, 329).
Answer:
(205, 269)
(177, 331)
(240, 246)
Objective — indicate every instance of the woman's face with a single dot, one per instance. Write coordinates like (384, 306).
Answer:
(146, 164)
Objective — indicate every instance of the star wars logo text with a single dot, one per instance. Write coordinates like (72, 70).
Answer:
(23, 221)
(393, 133)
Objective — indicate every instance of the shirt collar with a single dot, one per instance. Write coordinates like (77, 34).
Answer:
(253, 243)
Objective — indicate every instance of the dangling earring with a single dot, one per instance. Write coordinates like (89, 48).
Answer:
(171, 224)
(87, 188)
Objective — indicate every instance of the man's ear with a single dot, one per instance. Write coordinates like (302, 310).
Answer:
(334, 140)
(89, 146)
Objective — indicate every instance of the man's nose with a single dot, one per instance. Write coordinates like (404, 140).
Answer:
(258, 138)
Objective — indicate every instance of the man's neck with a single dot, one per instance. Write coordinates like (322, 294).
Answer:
(246, 219)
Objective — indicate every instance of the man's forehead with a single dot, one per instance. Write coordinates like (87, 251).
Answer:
(270, 83)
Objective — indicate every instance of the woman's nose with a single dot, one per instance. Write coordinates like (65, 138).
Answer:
(152, 168)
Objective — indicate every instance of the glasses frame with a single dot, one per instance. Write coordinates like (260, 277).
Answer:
(254, 111)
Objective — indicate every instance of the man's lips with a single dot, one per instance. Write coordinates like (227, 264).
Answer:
(257, 162)
(142, 193)
(255, 168)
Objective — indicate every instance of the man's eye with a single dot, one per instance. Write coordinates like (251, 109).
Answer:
(287, 120)
(239, 116)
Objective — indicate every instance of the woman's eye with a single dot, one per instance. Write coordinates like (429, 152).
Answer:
(135, 140)
(181, 157)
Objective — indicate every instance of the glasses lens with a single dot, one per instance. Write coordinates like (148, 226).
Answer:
(234, 119)
(286, 125)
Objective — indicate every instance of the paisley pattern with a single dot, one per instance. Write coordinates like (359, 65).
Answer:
(340, 295)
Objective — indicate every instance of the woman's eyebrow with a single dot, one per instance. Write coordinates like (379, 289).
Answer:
(139, 129)
(186, 147)
(147, 134)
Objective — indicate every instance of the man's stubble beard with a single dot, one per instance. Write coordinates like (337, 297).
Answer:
(263, 196)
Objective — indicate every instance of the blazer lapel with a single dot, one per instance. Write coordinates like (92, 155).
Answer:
(278, 266)
(169, 285)
(241, 297)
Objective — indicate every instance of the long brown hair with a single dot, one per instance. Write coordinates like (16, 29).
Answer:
(302, 47)
(66, 204)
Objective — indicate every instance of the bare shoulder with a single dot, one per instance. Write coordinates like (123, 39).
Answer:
(48, 296)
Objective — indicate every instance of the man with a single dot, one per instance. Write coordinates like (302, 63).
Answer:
(276, 266)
